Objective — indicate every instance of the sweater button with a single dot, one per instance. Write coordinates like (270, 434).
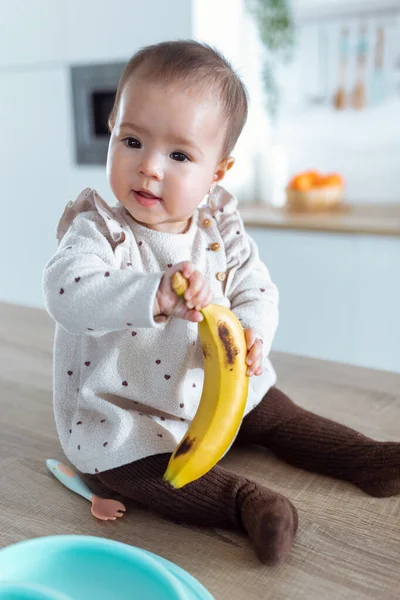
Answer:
(215, 246)
(221, 276)
(206, 222)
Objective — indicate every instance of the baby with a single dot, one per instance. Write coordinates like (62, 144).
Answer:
(128, 368)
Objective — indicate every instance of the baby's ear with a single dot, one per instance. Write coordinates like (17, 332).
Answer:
(222, 168)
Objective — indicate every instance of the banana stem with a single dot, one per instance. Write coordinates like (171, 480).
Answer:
(179, 283)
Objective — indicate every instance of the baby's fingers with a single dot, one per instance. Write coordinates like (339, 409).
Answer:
(193, 315)
(187, 269)
(198, 294)
(196, 283)
(254, 369)
(201, 300)
(250, 336)
(254, 359)
(255, 354)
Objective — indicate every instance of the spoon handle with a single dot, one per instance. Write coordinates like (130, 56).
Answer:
(68, 478)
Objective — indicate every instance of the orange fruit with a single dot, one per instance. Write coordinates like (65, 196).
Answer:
(332, 179)
(307, 180)
(303, 181)
(313, 174)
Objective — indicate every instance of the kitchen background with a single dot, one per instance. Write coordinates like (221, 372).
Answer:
(338, 111)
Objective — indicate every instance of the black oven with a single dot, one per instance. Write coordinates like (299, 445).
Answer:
(93, 93)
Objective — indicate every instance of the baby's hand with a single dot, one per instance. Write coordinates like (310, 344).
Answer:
(254, 354)
(197, 296)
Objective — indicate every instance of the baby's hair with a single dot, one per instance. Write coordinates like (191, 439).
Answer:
(192, 63)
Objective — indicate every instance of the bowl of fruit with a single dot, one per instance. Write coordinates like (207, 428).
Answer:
(315, 191)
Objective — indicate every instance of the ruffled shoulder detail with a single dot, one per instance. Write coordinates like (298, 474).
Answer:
(88, 201)
(224, 209)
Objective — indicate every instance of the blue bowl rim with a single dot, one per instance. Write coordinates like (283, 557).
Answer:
(88, 540)
(174, 569)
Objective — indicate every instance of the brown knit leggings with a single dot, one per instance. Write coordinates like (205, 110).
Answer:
(299, 437)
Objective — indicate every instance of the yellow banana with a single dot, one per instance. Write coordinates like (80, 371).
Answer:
(223, 397)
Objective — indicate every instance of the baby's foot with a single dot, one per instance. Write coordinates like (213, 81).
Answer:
(380, 474)
(270, 521)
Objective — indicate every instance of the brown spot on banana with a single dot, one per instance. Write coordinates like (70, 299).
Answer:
(206, 351)
(184, 447)
(225, 335)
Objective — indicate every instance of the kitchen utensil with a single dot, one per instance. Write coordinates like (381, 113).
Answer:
(339, 99)
(377, 88)
(104, 509)
(359, 96)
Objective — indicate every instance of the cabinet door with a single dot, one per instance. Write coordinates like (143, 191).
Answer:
(339, 295)
(378, 313)
(315, 274)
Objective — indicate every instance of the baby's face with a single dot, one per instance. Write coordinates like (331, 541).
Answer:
(165, 152)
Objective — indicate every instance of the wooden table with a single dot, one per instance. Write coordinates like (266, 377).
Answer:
(348, 544)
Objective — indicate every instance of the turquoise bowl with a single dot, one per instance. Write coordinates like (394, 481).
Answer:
(70, 567)
(16, 591)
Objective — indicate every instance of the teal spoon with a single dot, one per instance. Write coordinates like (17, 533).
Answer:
(104, 509)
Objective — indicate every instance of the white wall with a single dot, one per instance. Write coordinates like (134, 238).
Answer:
(39, 39)
(45, 32)
(227, 25)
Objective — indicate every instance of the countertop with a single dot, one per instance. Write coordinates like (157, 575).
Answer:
(371, 219)
(348, 544)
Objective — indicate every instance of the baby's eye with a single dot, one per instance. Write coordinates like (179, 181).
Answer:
(179, 156)
(132, 142)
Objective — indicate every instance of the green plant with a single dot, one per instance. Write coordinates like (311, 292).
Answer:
(277, 34)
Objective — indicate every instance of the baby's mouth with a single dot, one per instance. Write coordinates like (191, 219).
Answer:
(146, 198)
(147, 195)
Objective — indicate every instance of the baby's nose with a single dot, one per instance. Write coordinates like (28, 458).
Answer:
(150, 167)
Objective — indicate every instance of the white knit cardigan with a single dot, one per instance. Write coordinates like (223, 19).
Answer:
(126, 387)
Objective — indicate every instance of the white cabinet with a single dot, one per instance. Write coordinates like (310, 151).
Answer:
(378, 310)
(339, 295)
